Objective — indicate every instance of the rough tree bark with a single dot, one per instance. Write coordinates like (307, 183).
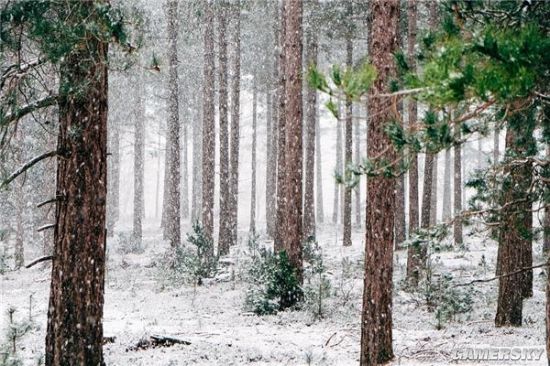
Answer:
(376, 322)
(281, 136)
(457, 224)
(515, 247)
(311, 111)
(224, 238)
(318, 169)
(235, 122)
(208, 126)
(139, 156)
(348, 149)
(173, 229)
(292, 235)
(339, 170)
(75, 313)
(253, 168)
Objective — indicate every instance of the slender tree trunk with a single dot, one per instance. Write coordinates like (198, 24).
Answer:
(235, 123)
(173, 129)
(292, 237)
(348, 150)
(114, 178)
(433, 197)
(224, 239)
(281, 138)
(19, 249)
(157, 185)
(339, 170)
(75, 312)
(357, 160)
(184, 168)
(496, 150)
(457, 224)
(196, 201)
(376, 324)
(446, 216)
(318, 169)
(208, 126)
(139, 156)
(546, 224)
(311, 112)
(254, 135)
(271, 166)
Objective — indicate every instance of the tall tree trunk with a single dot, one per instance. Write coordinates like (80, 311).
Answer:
(311, 111)
(496, 149)
(546, 224)
(457, 224)
(196, 200)
(157, 185)
(139, 156)
(339, 170)
(281, 137)
(114, 178)
(75, 313)
(433, 197)
(173, 129)
(446, 215)
(292, 236)
(412, 252)
(348, 149)
(515, 247)
(357, 160)
(254, 135)
(184, 167)
(19, 248)
(208, 125)
(318, 169)
(235, 122)
(376, 324)
(271, 166)
(224, 239)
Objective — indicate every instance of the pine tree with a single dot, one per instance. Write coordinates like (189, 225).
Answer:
(224, 239)
(139, 157)
(376, 322)
(348, 147)
(253, 167)
(457, 185)
(293, 234)
(208, 125)
(446, 215)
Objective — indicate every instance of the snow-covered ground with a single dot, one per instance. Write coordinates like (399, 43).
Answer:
(211, 317)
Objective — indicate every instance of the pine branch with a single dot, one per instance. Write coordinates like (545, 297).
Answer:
(29, 108)
(39, 260)
(504, 275)
(26, 167)
(46, 227)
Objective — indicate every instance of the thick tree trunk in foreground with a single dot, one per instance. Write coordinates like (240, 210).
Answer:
(376, 322)
(292, 235)
(311, 114)
(235, 122)
(139, 156)
(208, 126)
(348, 151)
(515, 247)
(224, 238)
(75, 313)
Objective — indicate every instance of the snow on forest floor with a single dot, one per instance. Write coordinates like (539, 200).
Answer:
(211, 317)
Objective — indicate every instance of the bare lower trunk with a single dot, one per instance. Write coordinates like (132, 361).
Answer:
(253, 180)
(457, 224)
(357, 160)
(376, 322)
(224, 238)
(75, 312)
(197, 165)
(208, 126)
(339, 170)
(235, 122)
(447, 209)
(139, 155)
(293, 234)
(433, 198)
(318, 170)
(311, 114)
(348, 152)
(184, 168)
(114, 178)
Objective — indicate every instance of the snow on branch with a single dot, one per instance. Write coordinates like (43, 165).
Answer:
(28, 108)
(26, 167)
